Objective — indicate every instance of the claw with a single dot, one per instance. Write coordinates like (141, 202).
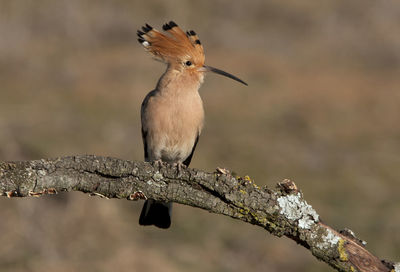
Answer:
(157, 163)
(179, 167)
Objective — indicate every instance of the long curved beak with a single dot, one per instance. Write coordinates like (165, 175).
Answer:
(223, 73)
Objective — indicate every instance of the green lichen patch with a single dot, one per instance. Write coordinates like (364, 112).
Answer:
(342, 251)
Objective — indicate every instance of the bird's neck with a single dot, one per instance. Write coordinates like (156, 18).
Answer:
(173, 81)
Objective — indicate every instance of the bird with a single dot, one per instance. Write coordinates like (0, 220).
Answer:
(172, 114)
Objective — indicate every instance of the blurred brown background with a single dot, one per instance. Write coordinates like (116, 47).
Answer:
(322, 108)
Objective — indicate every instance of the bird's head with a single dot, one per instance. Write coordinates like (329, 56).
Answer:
(183, 52)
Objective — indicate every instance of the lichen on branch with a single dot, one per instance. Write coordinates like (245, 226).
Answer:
(282, 211)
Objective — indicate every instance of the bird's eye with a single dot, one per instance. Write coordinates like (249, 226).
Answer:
(188, 63)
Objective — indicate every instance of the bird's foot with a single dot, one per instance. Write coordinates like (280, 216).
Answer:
(179, 166)
(157, 164)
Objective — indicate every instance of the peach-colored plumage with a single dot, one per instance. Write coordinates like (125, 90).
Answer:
(172, 114)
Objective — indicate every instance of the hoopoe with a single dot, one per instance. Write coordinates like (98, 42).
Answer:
(172, 114)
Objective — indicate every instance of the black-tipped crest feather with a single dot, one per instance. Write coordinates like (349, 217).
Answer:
(174, 46)
(172, 24)
(147, 28)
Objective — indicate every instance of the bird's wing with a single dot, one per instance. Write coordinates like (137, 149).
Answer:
(189, 158)
(144, 125)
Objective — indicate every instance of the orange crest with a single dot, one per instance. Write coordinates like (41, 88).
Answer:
(173, 46)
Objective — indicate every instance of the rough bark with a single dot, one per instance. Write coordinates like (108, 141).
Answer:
(282, 211)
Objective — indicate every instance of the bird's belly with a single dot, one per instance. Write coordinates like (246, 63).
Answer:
(174, 153)
(173, 126)
(175, 139)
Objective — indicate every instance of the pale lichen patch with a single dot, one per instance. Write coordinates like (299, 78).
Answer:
(293, 207)
(157, 176)
(41, 172)
(328, 240)
(396, 267)
(28, 170)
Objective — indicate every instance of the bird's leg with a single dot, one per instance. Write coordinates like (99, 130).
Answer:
(157, 163)
(179, 167)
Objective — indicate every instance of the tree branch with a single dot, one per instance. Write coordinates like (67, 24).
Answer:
(282, 211)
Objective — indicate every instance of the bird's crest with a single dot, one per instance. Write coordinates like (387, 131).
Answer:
(174, 45)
